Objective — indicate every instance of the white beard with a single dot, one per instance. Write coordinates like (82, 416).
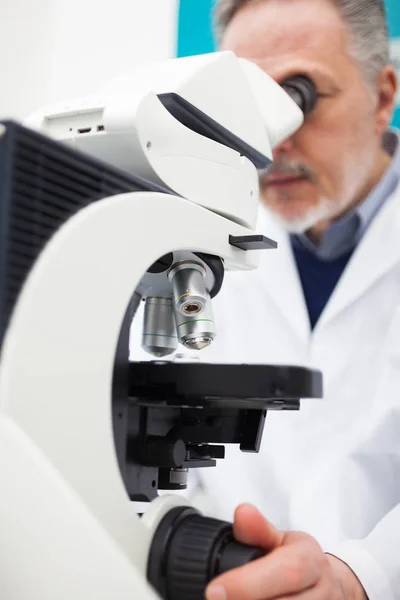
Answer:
(328, 209)
(321, 212)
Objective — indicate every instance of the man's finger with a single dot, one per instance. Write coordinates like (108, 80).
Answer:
(286, 570)
(250, 527)
(321, 591)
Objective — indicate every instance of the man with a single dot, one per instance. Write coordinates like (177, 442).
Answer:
(327, 299)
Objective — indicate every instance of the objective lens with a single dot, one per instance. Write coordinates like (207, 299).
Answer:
(192, 305)
(159, 330)
(196, 333)
(188, 285)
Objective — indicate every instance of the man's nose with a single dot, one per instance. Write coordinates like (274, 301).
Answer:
(284, 147)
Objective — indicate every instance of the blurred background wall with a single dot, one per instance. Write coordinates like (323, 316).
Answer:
(51, 50)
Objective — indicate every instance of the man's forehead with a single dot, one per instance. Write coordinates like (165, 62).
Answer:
(277, 33)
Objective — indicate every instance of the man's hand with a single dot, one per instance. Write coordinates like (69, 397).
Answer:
(295, 567)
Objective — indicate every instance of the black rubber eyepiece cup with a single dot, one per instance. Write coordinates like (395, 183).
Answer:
(302, 90)
(189, 550)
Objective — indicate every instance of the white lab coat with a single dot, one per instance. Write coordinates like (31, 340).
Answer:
(333, 468)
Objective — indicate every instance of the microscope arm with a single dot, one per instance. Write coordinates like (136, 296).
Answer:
(74, 301)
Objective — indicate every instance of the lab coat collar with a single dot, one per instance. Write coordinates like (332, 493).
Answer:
(377, 253)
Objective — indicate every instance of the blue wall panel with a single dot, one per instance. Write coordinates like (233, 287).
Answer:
(393, 11)
(195, 27)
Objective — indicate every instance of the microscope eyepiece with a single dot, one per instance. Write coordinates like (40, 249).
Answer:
(303, 91)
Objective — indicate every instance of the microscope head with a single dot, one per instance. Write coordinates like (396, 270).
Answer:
(200, 127)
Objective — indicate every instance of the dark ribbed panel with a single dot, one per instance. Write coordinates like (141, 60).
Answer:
(42, 184)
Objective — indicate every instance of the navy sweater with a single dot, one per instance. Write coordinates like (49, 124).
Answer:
(318, 278)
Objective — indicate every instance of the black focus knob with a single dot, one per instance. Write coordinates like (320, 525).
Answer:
(164, 452)
(302, 90)
(189, 550)
(235, 555)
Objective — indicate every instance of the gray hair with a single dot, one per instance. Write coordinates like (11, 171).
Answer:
(365, 19)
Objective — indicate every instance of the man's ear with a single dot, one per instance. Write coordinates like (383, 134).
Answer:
(387, 91)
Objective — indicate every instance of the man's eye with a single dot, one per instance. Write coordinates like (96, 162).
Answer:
(319, 97)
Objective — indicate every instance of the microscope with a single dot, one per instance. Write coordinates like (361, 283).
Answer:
(148, 193)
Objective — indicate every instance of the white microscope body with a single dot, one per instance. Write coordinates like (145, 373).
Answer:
(68, 528)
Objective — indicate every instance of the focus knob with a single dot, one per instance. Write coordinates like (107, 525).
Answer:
(189, 550)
